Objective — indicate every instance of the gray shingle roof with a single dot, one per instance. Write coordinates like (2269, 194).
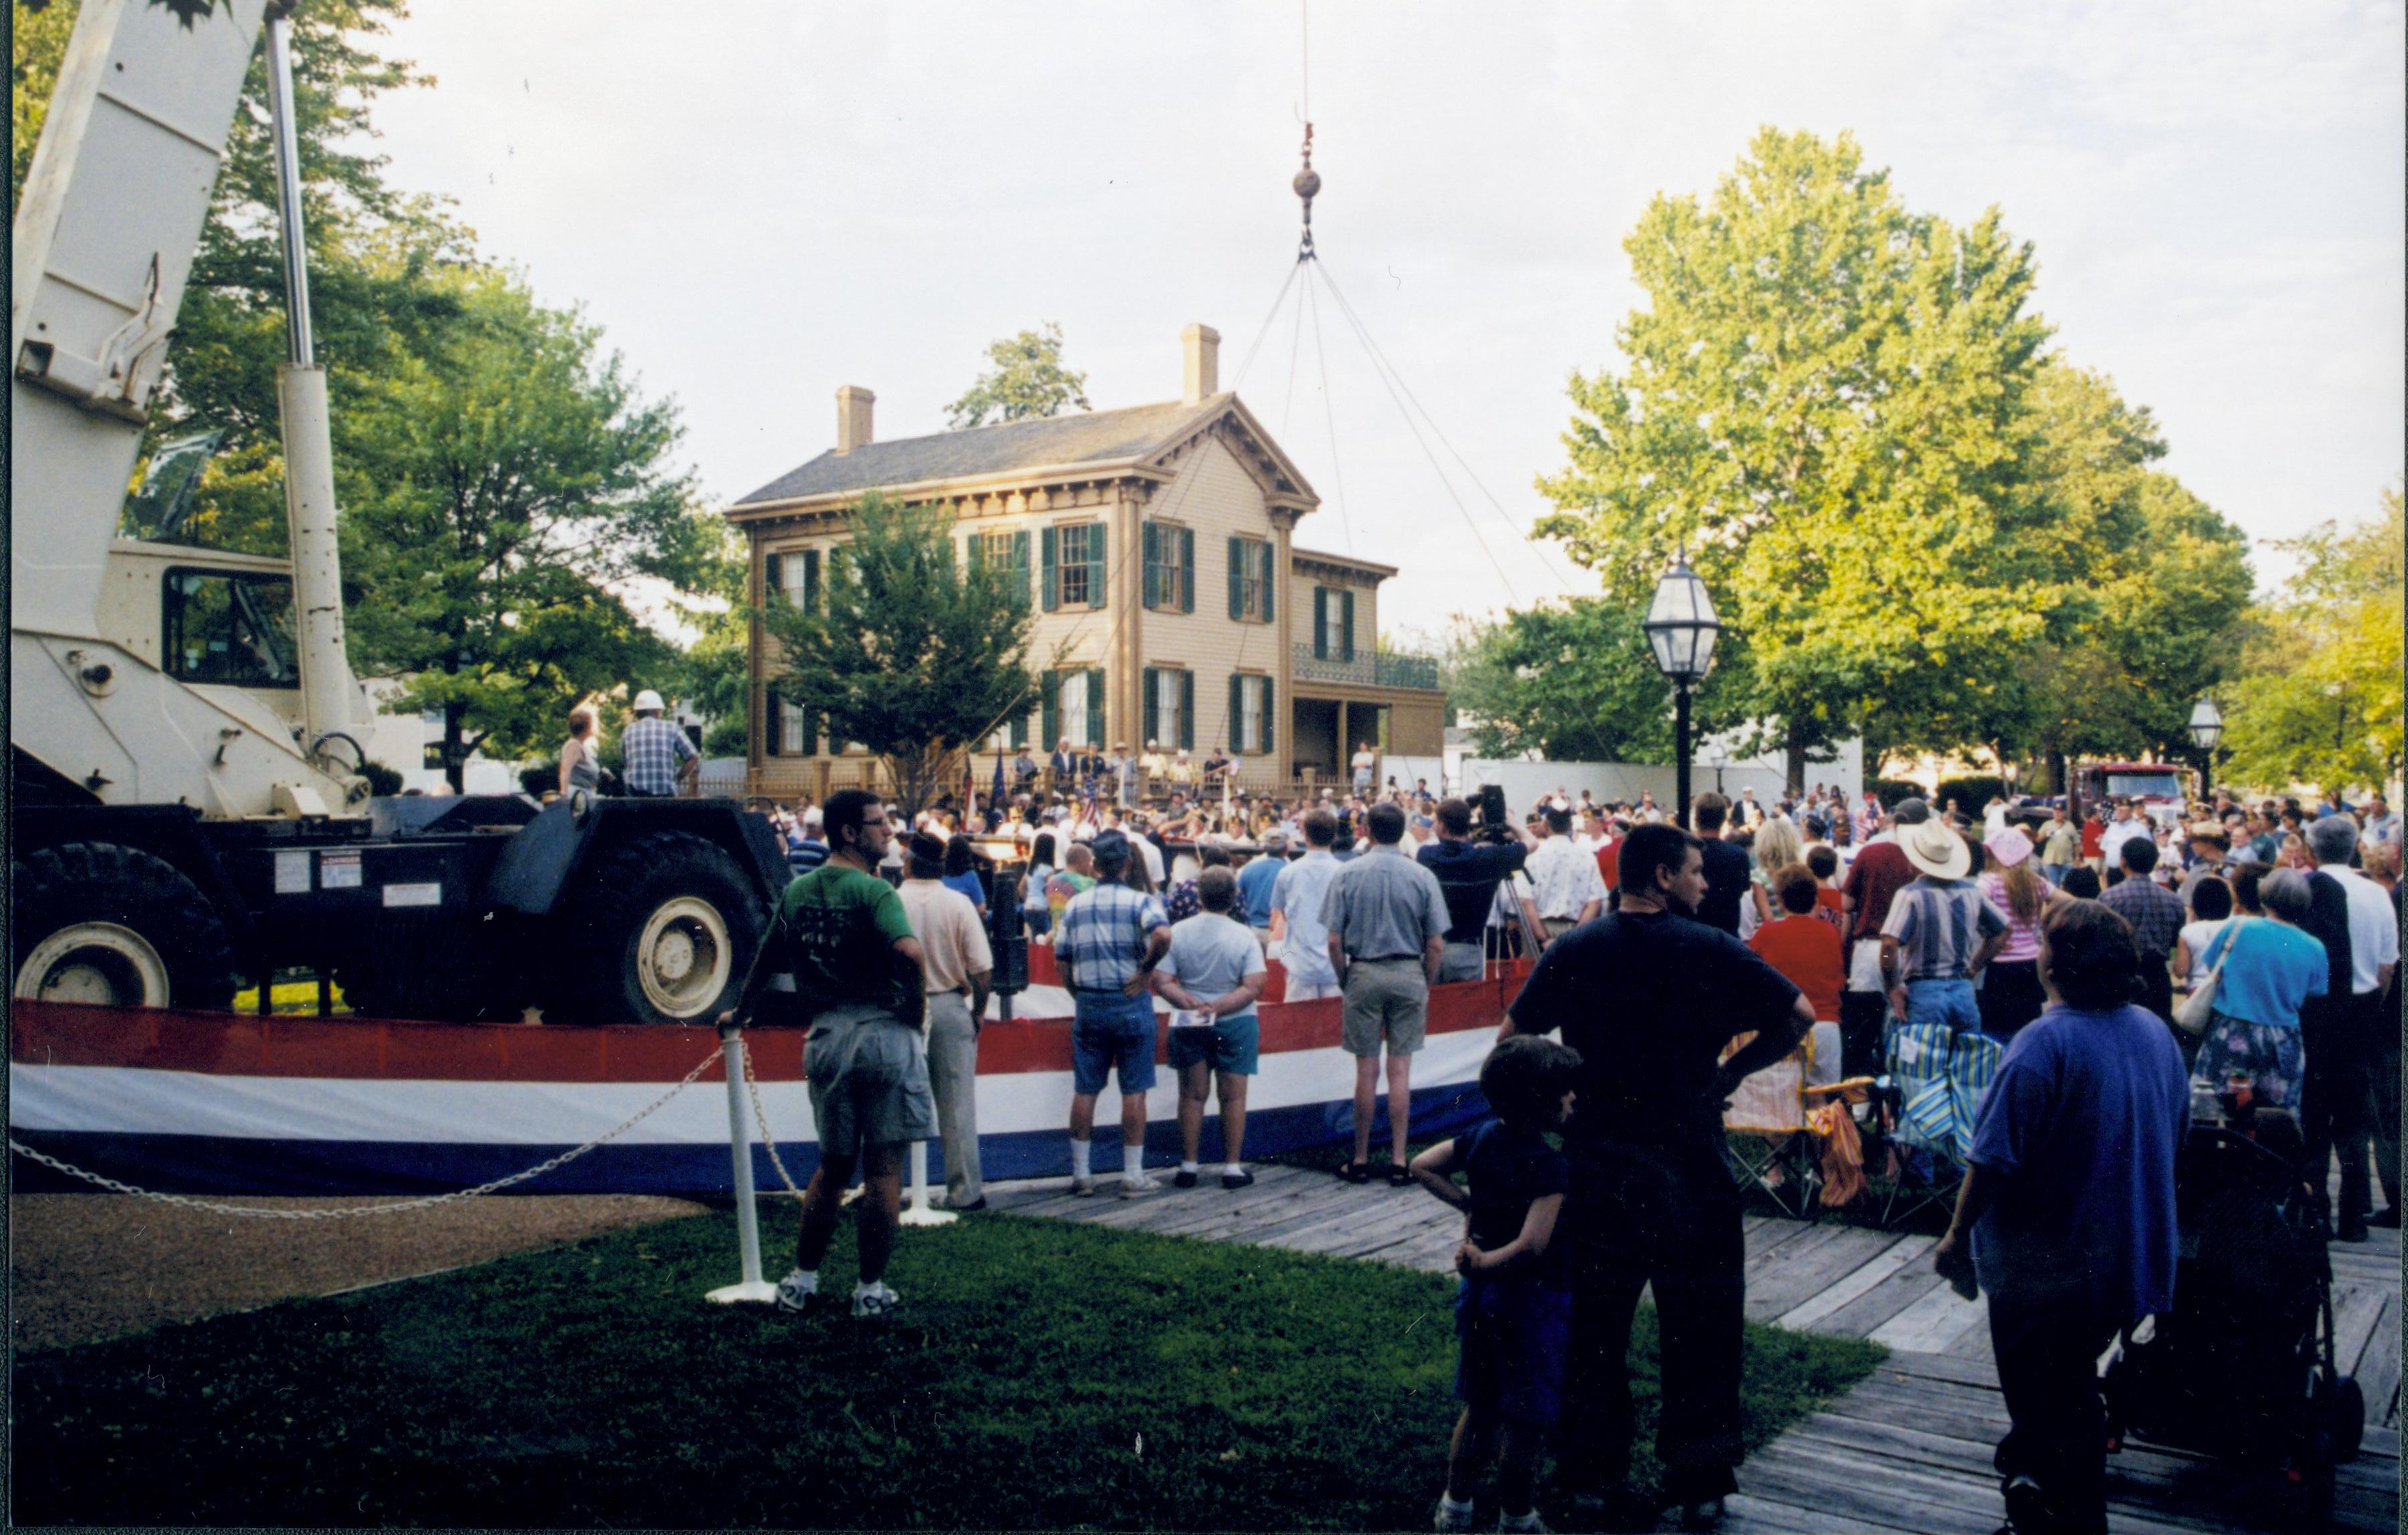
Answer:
(1090, 436)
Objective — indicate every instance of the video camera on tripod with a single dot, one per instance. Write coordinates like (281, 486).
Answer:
(1490, 821)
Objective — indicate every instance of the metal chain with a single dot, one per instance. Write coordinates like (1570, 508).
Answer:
(428, 1203)
(761, 1123)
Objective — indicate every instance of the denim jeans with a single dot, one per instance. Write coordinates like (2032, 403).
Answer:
(1949, 1002)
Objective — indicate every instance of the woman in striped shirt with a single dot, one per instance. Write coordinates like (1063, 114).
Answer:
(2011, 990)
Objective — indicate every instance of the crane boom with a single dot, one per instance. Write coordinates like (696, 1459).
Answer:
(105, 235)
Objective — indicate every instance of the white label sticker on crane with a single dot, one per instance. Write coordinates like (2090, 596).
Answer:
(293, 872)
(338, 871)
(429, 894)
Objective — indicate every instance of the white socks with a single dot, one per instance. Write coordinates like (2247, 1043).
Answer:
(805, 1279)
(1079, 1154)
(1232, 1169)
(1525, 1520)
(1187, 1167)
(1451, 1506)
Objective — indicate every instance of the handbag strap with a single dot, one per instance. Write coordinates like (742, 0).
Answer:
(2231, 939)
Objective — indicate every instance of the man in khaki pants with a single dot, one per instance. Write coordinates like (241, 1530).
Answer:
(1387, 922)
(956, 962)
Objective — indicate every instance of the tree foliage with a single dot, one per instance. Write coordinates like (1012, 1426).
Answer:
(1574, 681)
(2319, 700)
(499, 491)
(907, 653)
(1913, 520)
(1027, 379)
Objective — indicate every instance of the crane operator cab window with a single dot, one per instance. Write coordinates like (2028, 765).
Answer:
(230, 628)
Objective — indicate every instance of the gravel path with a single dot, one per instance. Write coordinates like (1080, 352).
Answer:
(84, 1267)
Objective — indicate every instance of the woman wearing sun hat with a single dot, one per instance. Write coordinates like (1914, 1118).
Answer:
(1940, 930)
(2010, 989)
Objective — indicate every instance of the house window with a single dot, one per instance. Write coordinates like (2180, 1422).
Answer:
(794, 575)
(1169, 568)
(1081, 582)
(795, 737)
(1250, 714)
(1074, 709)
(1251, 579)
(1170, 707)
(1008, 550)
(1333, 624)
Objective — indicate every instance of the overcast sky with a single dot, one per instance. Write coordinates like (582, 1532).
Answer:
(760, 202)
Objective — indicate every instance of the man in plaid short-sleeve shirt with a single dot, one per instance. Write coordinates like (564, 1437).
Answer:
(1111, 939)
(658, 753)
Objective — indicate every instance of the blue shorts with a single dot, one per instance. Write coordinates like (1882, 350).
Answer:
(1111, 1034)
(1231, 1044)
(1511, 1335)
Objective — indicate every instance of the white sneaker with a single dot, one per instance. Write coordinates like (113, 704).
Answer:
(1452, 1518)
(875, 1300)
(1081, 1187)
(1529, 1525)
(1132, 1186)
(797, 1295)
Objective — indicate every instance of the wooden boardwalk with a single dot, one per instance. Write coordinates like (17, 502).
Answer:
(1907, 1452)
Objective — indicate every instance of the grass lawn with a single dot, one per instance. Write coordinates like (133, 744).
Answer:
(1046, 1375)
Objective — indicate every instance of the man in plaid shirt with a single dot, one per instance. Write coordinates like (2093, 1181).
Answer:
(659, 756)
(2155, 915)
(1111, 939)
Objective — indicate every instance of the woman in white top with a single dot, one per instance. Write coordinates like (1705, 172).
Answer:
(2211, 906)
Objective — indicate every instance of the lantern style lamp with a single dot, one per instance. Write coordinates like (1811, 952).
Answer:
(2206, 730)
(1681, 629)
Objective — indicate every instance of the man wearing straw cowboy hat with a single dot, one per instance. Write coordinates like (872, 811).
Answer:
(1940, 932)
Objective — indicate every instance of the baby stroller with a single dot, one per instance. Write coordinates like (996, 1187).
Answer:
(2243, 1367)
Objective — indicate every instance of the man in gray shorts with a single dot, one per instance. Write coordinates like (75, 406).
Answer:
(843, 933)
(1387, 921)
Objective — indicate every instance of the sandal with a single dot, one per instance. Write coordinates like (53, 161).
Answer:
(1356, 1172)
(1400, 1174)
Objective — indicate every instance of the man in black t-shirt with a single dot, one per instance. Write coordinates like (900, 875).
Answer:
(1649, 997)
(1725, 865)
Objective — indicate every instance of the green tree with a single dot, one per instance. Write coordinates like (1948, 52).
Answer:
(907, 653)
(1027, 380)
(1574, 681)
(2319, 698)
(713, 675)
(38, 42)
(2145, 592)
(500, 492)
(1826, 402)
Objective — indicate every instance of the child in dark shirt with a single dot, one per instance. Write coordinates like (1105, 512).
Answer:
(1513, 1316)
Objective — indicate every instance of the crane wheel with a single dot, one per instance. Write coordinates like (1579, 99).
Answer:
(661, 932)
(115, 927)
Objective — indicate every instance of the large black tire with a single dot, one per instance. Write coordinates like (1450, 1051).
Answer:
(431, 965)
(662, 931)
(97, 922)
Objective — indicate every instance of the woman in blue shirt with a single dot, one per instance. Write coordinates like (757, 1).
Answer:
(2270, 968)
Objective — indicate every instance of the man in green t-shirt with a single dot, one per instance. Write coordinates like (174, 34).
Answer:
(842, 933)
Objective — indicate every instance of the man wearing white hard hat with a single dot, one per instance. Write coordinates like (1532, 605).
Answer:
(659, 757)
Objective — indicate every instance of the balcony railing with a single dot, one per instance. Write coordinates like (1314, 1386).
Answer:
(1368, 669)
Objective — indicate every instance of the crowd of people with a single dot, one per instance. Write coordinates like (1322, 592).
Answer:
(2115, 957)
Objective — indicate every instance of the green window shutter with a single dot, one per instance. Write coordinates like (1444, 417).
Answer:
(1268, 711)
(1237, 577)
(1049, 692)
(1346, 626)
(973, 552)
(1050, 542)
(772, 721)
(773, 576)
(1153, 712)
(811, 580)
(810, 734)
(1020, 560)
(1321, 622)
(1187, 710)
(1152, 565)
(1187, 569)
(1098, 721)
(1098, 597)
(1236, 732)
(1271, 575)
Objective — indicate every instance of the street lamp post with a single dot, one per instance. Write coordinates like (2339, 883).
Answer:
(2206, 729)
(1681, 629)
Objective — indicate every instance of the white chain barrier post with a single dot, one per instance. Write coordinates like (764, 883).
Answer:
(751, 1286)
(917, 1212)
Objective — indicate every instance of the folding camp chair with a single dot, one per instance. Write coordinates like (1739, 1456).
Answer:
(1775, 1147)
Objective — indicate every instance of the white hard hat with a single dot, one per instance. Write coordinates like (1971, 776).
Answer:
(649, 699)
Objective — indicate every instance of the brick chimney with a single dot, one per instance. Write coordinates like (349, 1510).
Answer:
(1202, 346)
(853, 405)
